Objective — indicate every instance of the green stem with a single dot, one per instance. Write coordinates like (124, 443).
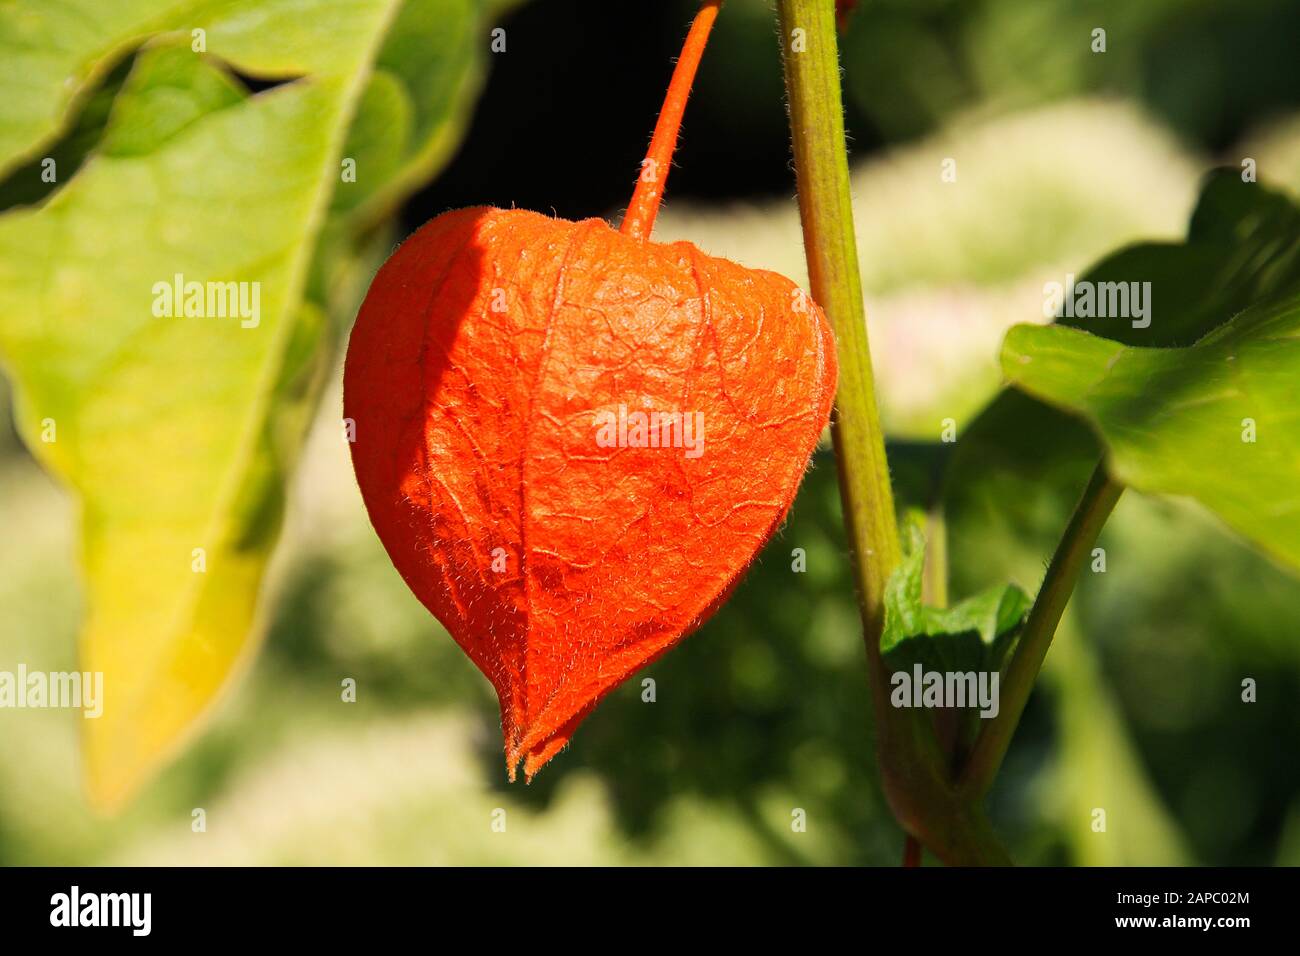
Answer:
(916, 778)
(812, 76)
(1031, 650)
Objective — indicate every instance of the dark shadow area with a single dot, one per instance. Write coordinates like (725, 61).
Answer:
(568, 110)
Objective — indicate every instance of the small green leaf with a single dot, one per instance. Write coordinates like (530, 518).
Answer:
(973, 635)
(1215, 421)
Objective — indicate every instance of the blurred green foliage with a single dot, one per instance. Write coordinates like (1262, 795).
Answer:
(1208, 69)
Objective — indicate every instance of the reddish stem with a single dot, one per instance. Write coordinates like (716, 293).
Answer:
(911, 851)
(641, 211)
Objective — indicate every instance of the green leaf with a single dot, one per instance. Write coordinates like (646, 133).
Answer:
(1243, 244)
(1019, 468)
(177, 435)
(1215, 421)
(1013, 479)
(51, 55)
(973, 635)
(415, 104)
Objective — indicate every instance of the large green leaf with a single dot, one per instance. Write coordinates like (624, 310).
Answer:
(1018, 469)
(55, 53)
(177, 434)
(1216, 421)
(1243, 244)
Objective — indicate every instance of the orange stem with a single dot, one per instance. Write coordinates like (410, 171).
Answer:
(641, 211)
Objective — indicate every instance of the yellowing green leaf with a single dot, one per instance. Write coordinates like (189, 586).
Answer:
(176, 434)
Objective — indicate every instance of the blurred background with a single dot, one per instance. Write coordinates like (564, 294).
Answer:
(1062, 155)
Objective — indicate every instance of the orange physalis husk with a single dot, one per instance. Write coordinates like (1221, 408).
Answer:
(496, 376)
